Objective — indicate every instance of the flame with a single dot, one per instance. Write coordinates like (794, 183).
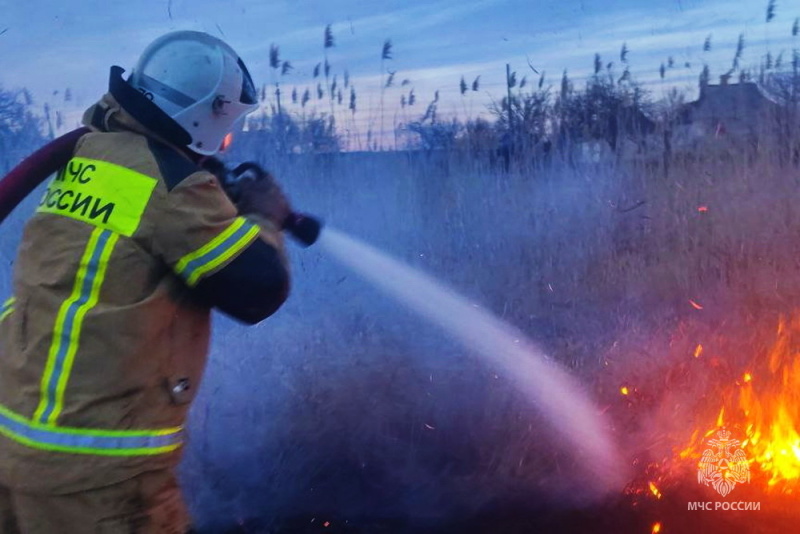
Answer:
(656, 528)
(698, 351)
(695, 305)
(773, 411)
(624, 390)
(702, 209)
(654, 490)
(766, 413)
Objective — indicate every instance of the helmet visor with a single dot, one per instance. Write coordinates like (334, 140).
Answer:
(249, 94)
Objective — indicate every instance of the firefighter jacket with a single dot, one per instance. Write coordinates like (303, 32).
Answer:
(104, 340)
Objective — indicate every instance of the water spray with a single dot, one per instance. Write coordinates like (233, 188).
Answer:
(557, 395)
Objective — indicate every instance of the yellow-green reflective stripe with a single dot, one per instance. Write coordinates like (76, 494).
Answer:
(217, 251)
(240, 240)
(7, 308)
(80, 314)
(67, 329)
(99, 193)
(88, 441)
(185, 262)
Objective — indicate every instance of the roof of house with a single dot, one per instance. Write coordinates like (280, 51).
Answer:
(729, 100)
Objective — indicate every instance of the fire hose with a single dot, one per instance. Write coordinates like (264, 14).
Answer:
(34, 169)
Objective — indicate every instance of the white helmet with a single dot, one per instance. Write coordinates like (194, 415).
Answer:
(200, 82)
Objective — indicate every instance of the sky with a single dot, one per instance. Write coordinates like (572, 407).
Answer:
(49, 46)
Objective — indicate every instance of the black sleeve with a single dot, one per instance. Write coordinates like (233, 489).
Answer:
(251, 287)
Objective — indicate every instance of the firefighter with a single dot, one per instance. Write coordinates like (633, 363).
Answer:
(104, 340)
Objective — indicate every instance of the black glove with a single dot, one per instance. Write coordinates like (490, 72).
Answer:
(255, 192)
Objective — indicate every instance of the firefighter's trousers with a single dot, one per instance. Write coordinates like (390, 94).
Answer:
(148, 504)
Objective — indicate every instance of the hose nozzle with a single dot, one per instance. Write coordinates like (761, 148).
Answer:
(304, 228)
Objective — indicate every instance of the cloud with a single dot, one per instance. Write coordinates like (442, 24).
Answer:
(435, 42)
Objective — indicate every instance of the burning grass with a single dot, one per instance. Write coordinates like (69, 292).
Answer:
(765, 408)
(718, 424)
(757, 400)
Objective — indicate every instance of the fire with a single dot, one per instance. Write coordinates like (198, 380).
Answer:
(698, 351)
(624, 390)
(654, 490)
(765, 413)
(773, 411)
(656, 528)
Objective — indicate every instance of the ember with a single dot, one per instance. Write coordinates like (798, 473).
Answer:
(695, 305)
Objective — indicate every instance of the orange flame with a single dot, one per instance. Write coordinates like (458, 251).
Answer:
(767, 412)
(698, 351)
(773, 411)
(624, 390)
(654, 490)
(656, 528)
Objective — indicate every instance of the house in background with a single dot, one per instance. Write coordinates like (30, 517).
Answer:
(737, 113)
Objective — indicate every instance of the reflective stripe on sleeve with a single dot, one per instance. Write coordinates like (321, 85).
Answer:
(88, 441)
(7, 308)
(227, 244)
